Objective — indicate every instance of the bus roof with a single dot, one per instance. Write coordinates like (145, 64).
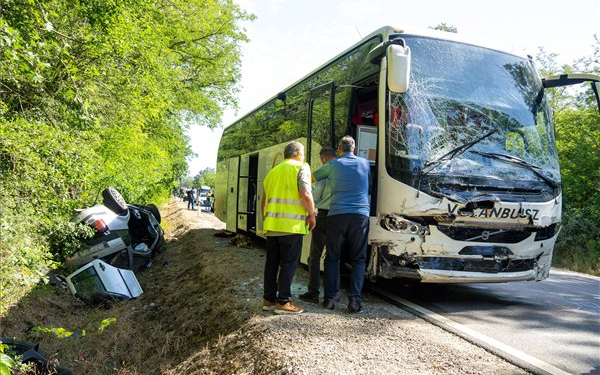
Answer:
(384, 31)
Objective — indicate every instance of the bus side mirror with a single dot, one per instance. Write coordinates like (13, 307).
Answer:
(398, 61)
(560, 80)
(596, 89)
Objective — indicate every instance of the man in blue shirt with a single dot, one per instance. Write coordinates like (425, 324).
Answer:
(347, 221)
(322, 197)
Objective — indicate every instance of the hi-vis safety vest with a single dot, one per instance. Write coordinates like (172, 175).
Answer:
(284, 211)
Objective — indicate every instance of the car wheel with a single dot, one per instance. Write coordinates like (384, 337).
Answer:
(154, 210)
(113, 200)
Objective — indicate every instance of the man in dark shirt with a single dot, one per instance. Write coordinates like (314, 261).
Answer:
(322, 197)
(347, 222)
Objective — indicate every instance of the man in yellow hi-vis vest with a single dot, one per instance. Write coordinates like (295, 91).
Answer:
(289, 213)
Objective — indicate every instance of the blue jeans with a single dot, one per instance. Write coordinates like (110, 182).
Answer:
(283, 256)
(190, 201)
(348, 232)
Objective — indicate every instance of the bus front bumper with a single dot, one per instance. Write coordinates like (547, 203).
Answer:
(464, 270)
(445, 276)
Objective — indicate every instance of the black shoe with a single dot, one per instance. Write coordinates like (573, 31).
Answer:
(329, 304)
(309, 297)
(354, 306)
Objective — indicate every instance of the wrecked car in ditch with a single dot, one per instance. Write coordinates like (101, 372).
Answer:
(126, 235)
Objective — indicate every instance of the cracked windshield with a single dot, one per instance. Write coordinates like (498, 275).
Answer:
(473, 114)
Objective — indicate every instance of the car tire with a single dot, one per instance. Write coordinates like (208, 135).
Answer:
(113, 200)
(154, 210)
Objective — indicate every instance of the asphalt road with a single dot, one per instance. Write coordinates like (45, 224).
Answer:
(556, 320)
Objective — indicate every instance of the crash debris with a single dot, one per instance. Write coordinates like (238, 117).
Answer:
(241, 241)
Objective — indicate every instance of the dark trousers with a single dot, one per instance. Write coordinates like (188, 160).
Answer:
(349, 232)
(283, 256)
(190, 202)
(317, 243)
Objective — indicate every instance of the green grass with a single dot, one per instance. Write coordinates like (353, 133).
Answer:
(578, 245)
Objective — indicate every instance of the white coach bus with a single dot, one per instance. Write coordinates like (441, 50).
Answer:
(465, 180)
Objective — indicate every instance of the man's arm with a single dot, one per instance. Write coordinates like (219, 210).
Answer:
(306, 196)
(309, 205)
(263, 204)
(322, 172)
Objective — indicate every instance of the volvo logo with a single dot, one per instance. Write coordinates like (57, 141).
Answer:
(485, 235)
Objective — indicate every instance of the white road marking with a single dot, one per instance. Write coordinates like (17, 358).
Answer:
(548, 368)
(558, 271)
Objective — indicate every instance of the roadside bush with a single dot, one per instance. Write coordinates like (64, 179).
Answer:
(578, 143)
(578, 245)
(66, 238)
(100, 95)
(25, 257)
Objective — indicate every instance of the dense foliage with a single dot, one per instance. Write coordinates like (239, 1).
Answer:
(98, 93)
(577, 122)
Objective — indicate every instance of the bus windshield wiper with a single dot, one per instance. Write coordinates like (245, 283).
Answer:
(453, 153)
(429, 166)
(520, 162)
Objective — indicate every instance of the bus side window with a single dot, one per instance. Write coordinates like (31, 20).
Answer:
(397, 131)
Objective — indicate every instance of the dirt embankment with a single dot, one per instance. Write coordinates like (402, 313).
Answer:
(200, 314)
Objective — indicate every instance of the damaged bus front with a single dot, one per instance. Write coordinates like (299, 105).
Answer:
(468, 180)
(465, 183)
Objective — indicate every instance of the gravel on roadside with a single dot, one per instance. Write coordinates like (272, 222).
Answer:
(384, 339)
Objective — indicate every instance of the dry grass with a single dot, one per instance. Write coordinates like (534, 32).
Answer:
(189, 304)
(237, 353)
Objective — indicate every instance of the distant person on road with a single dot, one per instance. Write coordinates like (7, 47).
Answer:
(208, 199)
(288, 214)
(322, 197)
(347, 222)
(190, 196)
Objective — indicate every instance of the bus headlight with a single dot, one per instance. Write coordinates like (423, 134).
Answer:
(394, 223)
(399, 224)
